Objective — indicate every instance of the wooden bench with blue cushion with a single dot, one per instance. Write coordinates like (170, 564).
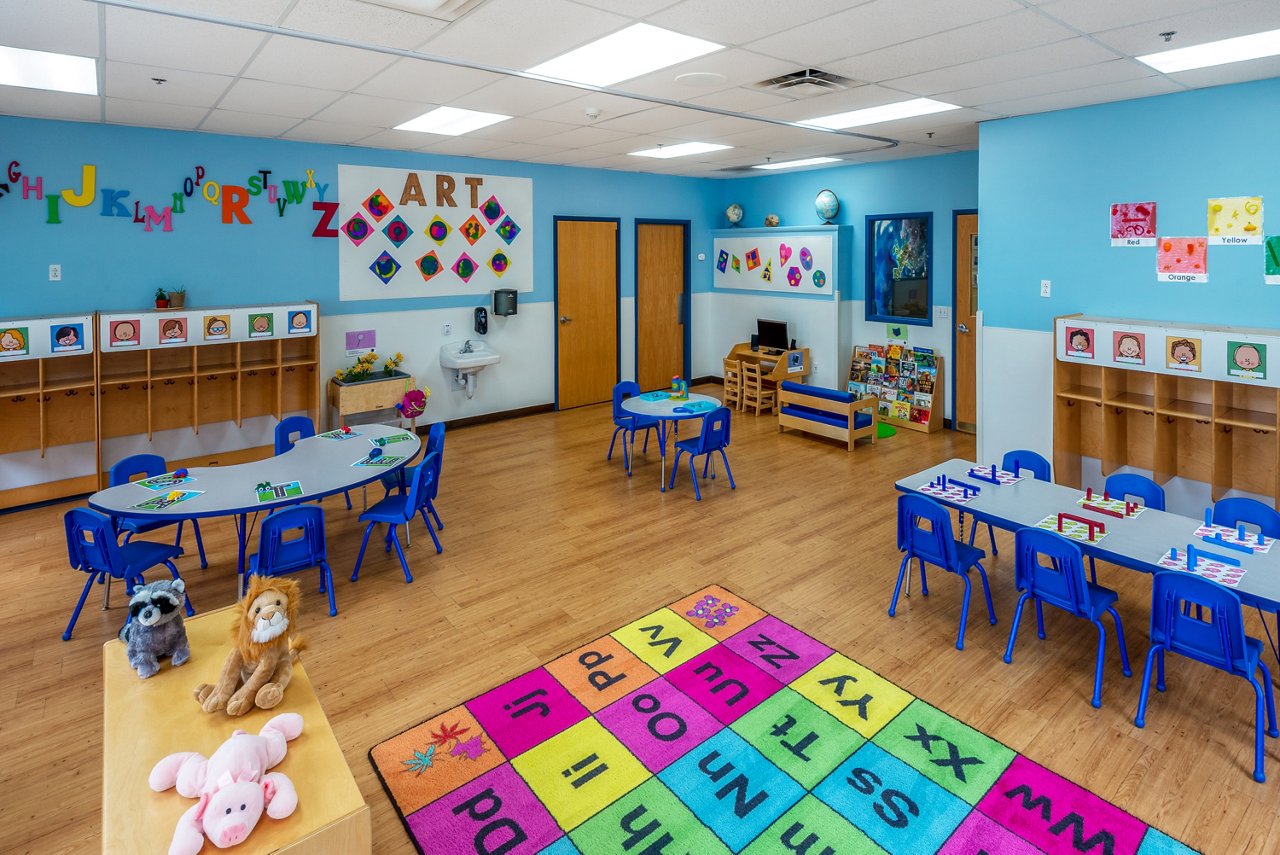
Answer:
(826, 412)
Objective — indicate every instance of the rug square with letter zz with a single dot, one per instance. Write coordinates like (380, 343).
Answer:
(709, 725)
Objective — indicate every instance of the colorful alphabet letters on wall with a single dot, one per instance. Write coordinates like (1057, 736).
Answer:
(414, 233)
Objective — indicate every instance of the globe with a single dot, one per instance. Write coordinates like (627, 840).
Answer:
(827, 205)
(734, 214)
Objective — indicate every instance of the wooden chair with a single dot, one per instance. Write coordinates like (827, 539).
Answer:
(733, 384)
(754, 393)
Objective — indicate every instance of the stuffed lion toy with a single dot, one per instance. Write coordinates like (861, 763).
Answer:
(260, 665)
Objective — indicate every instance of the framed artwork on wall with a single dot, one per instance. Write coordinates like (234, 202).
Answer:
(899, 268)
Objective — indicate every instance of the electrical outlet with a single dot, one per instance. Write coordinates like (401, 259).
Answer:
(55, 272)
(1045, 285)
(447, 329)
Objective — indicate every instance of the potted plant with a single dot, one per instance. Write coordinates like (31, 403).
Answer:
(162, 299)
(364, 387)
(364, 370)
(177, 297)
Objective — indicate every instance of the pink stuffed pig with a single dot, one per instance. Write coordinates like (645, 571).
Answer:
(233, 786)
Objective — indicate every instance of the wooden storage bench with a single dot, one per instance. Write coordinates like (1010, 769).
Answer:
(826, 412)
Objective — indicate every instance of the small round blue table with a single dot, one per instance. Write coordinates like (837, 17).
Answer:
(667, 409)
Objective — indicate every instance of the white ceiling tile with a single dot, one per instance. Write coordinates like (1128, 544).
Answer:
(1115, 71)
(569, 157)
(737, 67)
(371, 111)
(534, 32)
(28, 25)
(1236, 72)
(432, 82)
(147, 38)
(856, 98)
(574, 111)
(1059, 56)
(519, 130)
(464, 146)
(326, 132)
(713, 128)
(1141, 88)
(583, 136)
(633, 143)
(305, 63)
(734, 22)
(399, 140)
(153, 115)
(652, 120)
(247, 124)
(258, 11)
(40, 104)
(742, 99)
(637, 8)
(515, 96)
(875, 25)
(136, 83)
(256, 96)
(1092, 16)
(1195, 27)
(363, 22)
(519, 151)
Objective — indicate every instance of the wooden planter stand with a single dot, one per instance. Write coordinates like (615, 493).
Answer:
(363, 396)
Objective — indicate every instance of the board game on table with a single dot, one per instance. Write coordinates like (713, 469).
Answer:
(710, 726)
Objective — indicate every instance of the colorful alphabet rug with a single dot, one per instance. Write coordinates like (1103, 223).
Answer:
(710, 726)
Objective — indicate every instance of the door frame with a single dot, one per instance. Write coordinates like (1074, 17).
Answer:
(686, 299)
(555, 292)
(956, 213)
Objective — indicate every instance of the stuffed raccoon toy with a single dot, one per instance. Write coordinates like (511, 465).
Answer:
(155, 626)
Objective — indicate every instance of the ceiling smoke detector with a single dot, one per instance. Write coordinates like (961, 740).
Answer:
(805, 83)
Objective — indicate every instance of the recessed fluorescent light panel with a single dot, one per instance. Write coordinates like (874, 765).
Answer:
(883, 113)
(681, 150)
(1221, 52)
(58, 72)
(451, 121)
(791, 164)
(637, 50)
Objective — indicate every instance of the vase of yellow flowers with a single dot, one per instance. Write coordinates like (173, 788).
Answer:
(366, 386)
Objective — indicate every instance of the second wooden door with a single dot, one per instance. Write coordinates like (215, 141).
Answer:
(660, 294)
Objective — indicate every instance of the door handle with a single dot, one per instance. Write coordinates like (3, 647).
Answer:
(962, 328)
(564, 319)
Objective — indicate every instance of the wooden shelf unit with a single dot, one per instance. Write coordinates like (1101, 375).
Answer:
(1222, 431)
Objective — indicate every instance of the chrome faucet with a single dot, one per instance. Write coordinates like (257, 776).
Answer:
(466, 346)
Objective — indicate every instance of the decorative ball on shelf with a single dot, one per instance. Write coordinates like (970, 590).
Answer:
(734, 214)
(827, 204)
(771, 220)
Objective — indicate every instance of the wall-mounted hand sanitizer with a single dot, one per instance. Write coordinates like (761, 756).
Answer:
(482, 320)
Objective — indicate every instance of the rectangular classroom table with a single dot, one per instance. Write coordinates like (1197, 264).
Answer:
(145, 720)
(1134, 542)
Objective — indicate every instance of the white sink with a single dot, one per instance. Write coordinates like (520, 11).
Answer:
(467, 356)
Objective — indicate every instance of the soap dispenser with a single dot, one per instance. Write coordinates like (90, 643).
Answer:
(482, 320)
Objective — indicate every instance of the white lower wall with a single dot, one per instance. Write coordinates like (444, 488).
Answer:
(1015, 374)
(722, 320)
(627, 338)
(938, 337)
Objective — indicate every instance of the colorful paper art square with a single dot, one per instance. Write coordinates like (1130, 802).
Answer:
(497, 811)
(491, 209)
(722, 261)
(472, 230)
(438, 230)
(663, 640)
(499, 262)
(599, 673)
(1080, 342)
(1133, 224)
(63, 338)
(1235, 220)
(525, 711)
(735, 263)
(1247, 359)
(429, 265)
(1182, 259)
(1129, 346)
(172, 330)
(300, 322)
(385, 267)
(507, 230)
(464, 267)
(378, 205)
(397, 231)
(658, 723)
(753, 259)
(1271, 260)
(357, 229)
(1183, 353)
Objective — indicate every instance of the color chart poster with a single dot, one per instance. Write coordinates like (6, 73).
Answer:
(418, 233)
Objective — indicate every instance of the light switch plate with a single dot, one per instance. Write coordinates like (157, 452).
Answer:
(941, 313)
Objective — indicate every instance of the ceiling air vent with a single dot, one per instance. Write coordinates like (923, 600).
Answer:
(805, 83)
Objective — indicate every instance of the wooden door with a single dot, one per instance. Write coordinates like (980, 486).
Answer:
(660, 285)
(966, 310)
(586, 311)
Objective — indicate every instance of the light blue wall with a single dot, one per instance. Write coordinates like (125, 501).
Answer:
(1047, 183)
(938, 184)
(111, 263)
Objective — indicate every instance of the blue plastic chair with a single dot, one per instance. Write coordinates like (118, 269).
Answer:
(398, 509)
(1062, 584)
(1232, 512)
(936, 545)
(714, 437)
(434, 445)
(92, 547)
(1122, 485)
(277, 556)
(1219, 642)
(147, 466)
(628, 423)
(1023, 460)
(293, 428)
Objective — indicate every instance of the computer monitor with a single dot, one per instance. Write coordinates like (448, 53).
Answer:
(772, 334)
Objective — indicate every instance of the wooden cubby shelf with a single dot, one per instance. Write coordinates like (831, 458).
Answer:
(1208, 426)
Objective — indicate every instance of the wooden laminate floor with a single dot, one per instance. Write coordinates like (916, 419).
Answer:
(547, 547)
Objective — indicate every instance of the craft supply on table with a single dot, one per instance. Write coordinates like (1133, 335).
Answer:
(695, 407)
(951, 490)
(1235, 539)
(340, 434)
(377, 458)
(167, 481)
(1218, 568)
(159, 503)
(1108, 506)
(1075, 528)
(660, 395)
(268, 492)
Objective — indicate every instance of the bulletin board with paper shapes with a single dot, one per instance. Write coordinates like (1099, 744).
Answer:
(799, 261)
(420, 233)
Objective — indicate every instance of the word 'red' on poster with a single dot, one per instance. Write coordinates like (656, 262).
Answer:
(1133, 224)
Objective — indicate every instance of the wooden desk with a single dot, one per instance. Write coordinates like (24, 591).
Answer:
(777, 372)
(144, 720)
